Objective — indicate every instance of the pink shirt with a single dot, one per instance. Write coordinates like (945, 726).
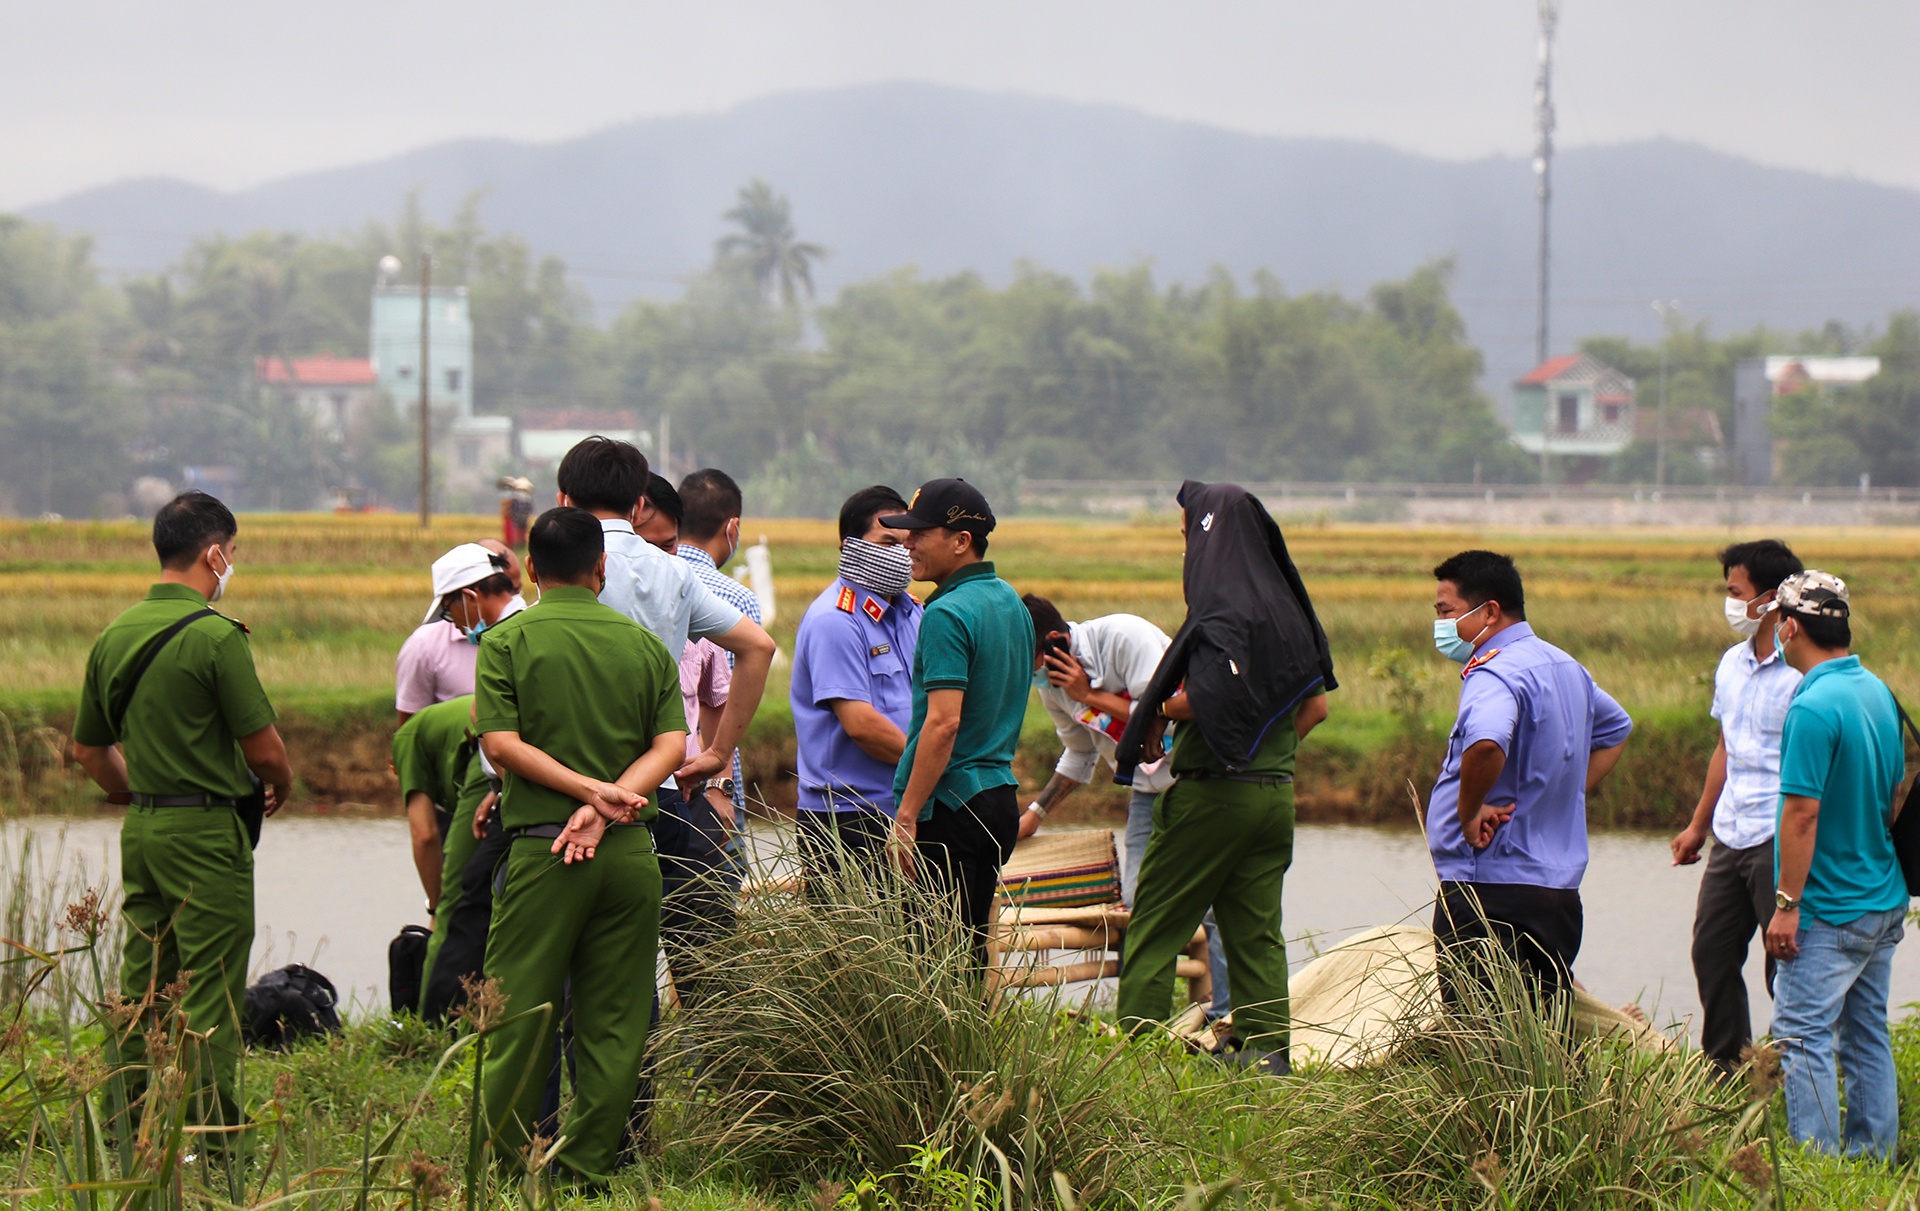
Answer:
(705, 680)
(435, 663)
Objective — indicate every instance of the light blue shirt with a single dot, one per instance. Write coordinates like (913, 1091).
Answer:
(659, 592)
(853, 644)
(1750, 698)
(1546, 714)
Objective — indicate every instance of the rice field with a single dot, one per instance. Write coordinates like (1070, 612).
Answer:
(330, 598)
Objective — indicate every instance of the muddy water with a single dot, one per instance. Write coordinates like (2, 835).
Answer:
(332, 893)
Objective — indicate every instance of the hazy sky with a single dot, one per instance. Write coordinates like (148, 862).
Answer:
(230, 93)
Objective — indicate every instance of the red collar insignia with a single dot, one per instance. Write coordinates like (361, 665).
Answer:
(1477, 661)
(874, 609)
(846, 600)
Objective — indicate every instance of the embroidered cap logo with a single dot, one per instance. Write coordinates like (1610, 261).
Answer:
(1206, 523)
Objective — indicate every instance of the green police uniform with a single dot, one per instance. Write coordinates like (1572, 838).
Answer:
(433, 755)
(1225, 845)
(592, 689)
(187, 872)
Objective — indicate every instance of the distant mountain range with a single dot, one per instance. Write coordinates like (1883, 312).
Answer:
(948, 179)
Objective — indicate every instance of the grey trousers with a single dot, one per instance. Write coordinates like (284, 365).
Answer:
(1736, 898)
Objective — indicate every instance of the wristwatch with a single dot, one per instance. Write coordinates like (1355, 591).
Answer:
(1037, 810)
(724, 786)
(1785, 902)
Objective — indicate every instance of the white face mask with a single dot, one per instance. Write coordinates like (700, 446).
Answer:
(220, 583)
(1738, 620)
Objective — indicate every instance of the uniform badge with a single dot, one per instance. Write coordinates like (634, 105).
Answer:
(846, 600)
(1477, 661)
(874, 609)
(879, 649)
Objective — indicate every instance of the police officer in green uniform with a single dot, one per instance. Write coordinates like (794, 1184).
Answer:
(433, 758)
(174, 723)
(576, 704)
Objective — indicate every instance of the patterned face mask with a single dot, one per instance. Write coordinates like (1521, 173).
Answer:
(885, 570)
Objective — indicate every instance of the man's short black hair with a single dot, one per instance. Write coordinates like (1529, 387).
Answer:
(662, 496)
(856, 516)
(189, 524)
(603, 473)
(1483, 576)
(565, 544)
(1827, 633)
(712, 500)
(1047, 619)
(1768, 561)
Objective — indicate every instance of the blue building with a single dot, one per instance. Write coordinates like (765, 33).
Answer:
(395, 349)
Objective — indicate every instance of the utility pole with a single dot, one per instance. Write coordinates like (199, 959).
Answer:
(1665, 311)
(1543, 159)
(426, 383)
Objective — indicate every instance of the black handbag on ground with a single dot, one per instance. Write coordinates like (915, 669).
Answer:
(290, 1004)
(406, 967)
(1906, 822)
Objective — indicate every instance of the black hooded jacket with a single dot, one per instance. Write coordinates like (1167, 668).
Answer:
(1251, 648)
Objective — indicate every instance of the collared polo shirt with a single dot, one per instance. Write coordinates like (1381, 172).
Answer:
(1120, 653)
(660, 592)
(431, 751)
(581, 682)
(1547, 715)
(434, 664)
(1750, 698)
(854, 644)
(1841, 745)
(182, 730)
(975, 636)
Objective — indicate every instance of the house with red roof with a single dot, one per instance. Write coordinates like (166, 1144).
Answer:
(1573, 407)
(335, 393)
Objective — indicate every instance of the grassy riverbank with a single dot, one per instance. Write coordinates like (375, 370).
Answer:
(330, 598)
(837, 1064)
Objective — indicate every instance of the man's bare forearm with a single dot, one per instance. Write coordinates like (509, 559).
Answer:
(105, 765)
(1480, 768)
(929, 763)
(1799, 828)
(1057, 788)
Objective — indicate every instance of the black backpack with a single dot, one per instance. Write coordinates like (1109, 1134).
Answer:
(406, 967)
(290, 1004)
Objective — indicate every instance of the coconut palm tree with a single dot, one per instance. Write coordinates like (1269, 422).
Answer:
(767, 246)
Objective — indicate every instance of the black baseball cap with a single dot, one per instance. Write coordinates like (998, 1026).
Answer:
(953, 503)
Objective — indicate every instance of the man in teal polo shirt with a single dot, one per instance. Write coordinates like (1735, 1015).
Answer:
(958, 812)
(1839, 896)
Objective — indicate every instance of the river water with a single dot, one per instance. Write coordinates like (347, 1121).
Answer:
(333, 892)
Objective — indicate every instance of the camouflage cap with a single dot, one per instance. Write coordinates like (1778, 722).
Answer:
(1816, 594)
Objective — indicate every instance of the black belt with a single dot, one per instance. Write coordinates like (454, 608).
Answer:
(1207, 775)
(551, 832)
(140, 800)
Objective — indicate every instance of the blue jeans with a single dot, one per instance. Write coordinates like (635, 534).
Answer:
(1139, 828)
(1830, 1002)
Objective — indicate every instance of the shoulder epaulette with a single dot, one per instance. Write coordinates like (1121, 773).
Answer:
(1479, 661)
(845, 604)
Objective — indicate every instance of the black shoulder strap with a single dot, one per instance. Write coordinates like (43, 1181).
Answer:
(117, 714)
(1907, 722)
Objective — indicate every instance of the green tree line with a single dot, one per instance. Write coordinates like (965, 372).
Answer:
(897, 378)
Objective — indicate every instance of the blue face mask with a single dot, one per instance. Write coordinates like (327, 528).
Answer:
(474, 632)
(1040, 681)
(1778, 650)
(1449, 642)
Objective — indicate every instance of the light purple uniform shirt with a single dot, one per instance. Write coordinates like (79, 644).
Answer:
(843, 651)
(1546, 714)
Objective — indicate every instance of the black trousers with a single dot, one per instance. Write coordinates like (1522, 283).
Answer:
(1736, 898)
(1540, 927)
(699, 886)
(961, 851)
(829, 838)
(463, 952)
